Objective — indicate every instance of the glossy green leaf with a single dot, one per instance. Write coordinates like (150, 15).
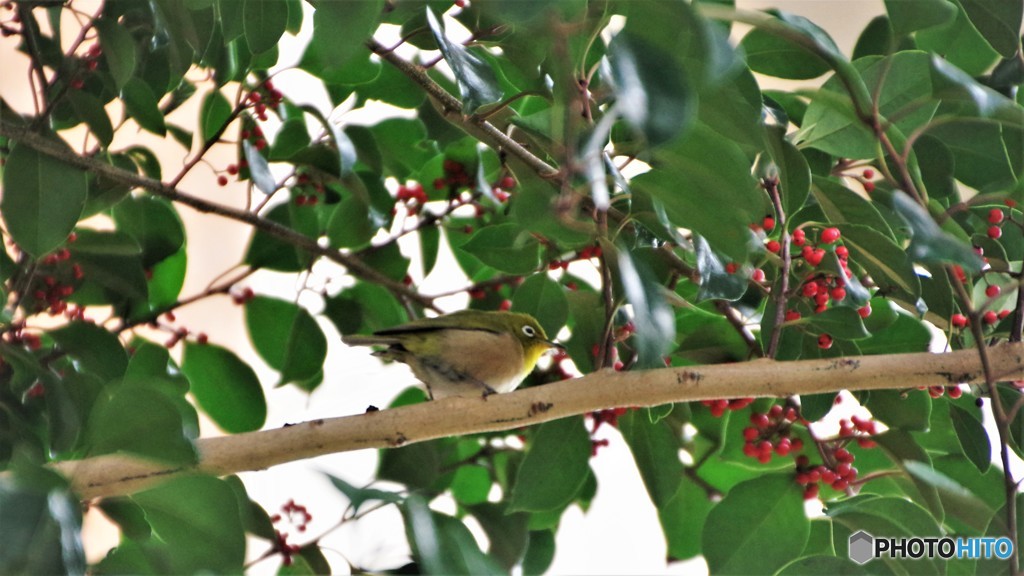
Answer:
(791, 168)
(911, 16)
(141, 104)
(478, 84)
(909, 410)
(41, 529)
(842, 205)
(259, 169)
(998, 22)
(359, 496)
(264, 22)
(839, 322)
(772, 55)
(141, 422)
(42, 201)
(555, 467)
(973, 437)
(544, 299)
(959, 42)
(97, 349)
(286, 337)
(213, 114)
(225, 387)
(111, 265)
(505, 247)
(716, 283)
(118, 50)
(210, 527)
(266, 251)
(90, 109)
(931, 244)
(441, 544)
(651, 89)
(889, 267)
(652, 316)
(351, 225)
(951, 83)
(741, 535)
(957, 499)
(292, 138)
(154, 224)
(341, 29)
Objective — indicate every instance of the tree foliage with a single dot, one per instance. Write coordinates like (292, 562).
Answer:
(620, 170)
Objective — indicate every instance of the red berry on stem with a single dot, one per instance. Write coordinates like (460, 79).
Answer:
(829, 235)
(768, 223)
(757, 275)
(995, 216)
(773, 246)
(222, 180)
(992, 291)
(799, 236)
(994, 232)
(869, 186)
(990, 317)
(864, 311)
(838, 293)
(792, 315)
(824, 341)
(869, 173)
(958, 321)
(731, 268)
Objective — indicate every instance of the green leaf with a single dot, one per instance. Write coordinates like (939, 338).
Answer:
(141, 104)
(907, 17)
(540, 552)
(842, 205)
(118, 50)
(98, 350)
(286, 337)
(704, 181)
(346, 149)
(341, 29)
(682, 518)
(742, 532)
(263, 22)
(715, 282)
(505, 247)
(154, 224)
(655, 447)
(956, 498)
(351, 224)
(651, 89)
(508, 533)
(555, 467)
(893, 516)
(441, 544)
(225, 387)
(359, 496)
(478, 84)
(167, 278)
(213, 114)
(792, 169)
(41, 530)
(266, 251)
(839, 322)
(773, 55)
(931, 244)
(259, 169)
(143, 422)
(973, 437)
(908, 410)
(91, 110)
(951, 83)
(471, 484)
(998, 22)
(42, 201)
(544, 299)
(112, 265)
(887, 263)
(290, 139)
(654, 320)
(209, 528)
(959, 42)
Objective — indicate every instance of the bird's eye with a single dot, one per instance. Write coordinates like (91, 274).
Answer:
(529, 331)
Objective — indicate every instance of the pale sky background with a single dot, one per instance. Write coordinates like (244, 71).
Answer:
(619, 534)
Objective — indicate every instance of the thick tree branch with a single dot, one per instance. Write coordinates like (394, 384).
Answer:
(116, 474)
(355, 266)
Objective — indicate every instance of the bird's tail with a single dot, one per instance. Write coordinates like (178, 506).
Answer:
(368, 340)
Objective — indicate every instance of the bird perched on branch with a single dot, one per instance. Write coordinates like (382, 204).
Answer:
(466, 353)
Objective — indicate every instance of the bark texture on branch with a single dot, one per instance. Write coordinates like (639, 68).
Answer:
(115, 474)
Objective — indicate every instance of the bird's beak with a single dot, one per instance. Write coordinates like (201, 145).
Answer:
(555, 345)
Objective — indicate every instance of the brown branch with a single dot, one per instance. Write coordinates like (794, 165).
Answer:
(779, 297)
(118, 474)
(354, 266)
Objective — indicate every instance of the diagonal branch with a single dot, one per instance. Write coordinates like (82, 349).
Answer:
(118, 474)
(355, 266)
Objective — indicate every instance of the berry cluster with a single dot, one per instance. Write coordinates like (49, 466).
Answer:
(16, 334)
(586, 253)
(299, 517)
(718, 407)
(599, 417)
(771, 433)
(412, 195)
(262, 97)
(89, 63)
(55, 281)
(256, 134)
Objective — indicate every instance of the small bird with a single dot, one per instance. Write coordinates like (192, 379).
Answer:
(466, 353)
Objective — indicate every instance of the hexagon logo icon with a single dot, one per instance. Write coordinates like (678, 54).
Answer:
(862, 547)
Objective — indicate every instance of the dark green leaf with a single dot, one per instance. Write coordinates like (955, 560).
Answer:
(716, 283)
(652, 316)
(842, 205)
(478, 84)
(555, 467)
(507, 533)
(266, 251)
(910, 17)
(346, 149)
(775, 56)
(889, 267)
(442, 544)
(154, 224)
(259, 169)
(42, 201)
(290, 139)
(651, 89)
(98, 350)
(141, 104)
(263, 22)
(167, 278)
(118, 50)
(225, 387)
(213, 114)
(741, 535)
(839, 322)
(544, 299)
(358, 496)
(998, 21)
(505, 247)
(951, 83)
(792, 169)
(959, 42)
(973, 437)
(956, 498)
(127, 515)
(540, 552)
(931, 244)
(341, 29)
(143, 422)
(908, 410)
(682, 518)
(41, 530)
(351, 224)
(91, 110)
(286, 337)
(209, 528)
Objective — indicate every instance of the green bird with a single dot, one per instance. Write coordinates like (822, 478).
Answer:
(466, 353)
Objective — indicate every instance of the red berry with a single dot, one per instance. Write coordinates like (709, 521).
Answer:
(994, 232)
(864, 311)
(990, 317)
(958, 271)
(505, 305)
(815, 257)
(1010, 203)
(757, 275)
(954, 392)
(992, 291)
(995, 216)
(799, 236)
(811, 492)
(842, 252)
(773, 246)
(222, 180)
(869, 173)
(750, 433)
(838, 293)
(958, 321)
(869, 187)
(792, 315)
(768, 223)
(731, 268)
(829, 235)
(1003, 314)
(759, 419)
(824, 341)
(508, 183)
(810, 290)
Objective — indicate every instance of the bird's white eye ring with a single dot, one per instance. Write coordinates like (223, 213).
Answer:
(529, 331)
